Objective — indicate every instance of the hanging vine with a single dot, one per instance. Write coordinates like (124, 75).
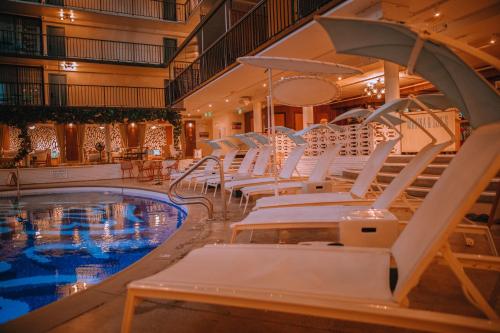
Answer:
(22, 116)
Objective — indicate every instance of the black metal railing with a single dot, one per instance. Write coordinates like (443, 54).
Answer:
(168, 10)
(84, 49)
(75, 95)
(263, 22)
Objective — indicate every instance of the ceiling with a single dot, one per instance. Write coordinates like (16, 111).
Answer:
(472, 22)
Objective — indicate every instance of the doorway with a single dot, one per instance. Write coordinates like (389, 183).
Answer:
(58, 90)
(71, 143)
(190, 137)
(56, 42)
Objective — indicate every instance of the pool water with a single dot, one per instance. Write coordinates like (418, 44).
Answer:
(52, 246)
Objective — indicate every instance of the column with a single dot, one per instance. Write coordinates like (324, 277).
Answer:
(257, 116)
(307, 116)
(391, 80)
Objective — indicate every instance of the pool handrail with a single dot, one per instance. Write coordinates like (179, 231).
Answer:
(197, 199)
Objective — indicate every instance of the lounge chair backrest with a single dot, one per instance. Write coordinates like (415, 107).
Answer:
(247, 161)
(409, 173)
(228, 159)
(444, 207)
(262, 160)
(320, 170)
(291, 161)
(372, 167)
(211, 163)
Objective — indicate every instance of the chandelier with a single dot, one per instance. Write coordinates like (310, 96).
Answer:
(375, 89)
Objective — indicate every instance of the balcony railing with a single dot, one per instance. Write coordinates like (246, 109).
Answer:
(261, 24)
(74, 95)
(84, 49)
(168, 10)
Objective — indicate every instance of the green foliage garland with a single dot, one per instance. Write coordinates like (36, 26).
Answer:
(22, 116)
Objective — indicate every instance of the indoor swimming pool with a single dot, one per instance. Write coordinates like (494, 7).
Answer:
(56, 244)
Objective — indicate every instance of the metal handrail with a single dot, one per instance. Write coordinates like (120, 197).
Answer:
(201, 200)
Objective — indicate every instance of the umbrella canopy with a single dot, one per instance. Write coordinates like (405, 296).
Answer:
(364, 113)
(299, 65)
(431, 101)
(259, 138)
(214, 145)
(436, 62)
(246, 140)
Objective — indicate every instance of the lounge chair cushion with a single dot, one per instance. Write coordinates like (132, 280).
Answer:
(304, 199)
(286, 273)
(322, 215)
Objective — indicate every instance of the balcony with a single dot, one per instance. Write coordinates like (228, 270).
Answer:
(73, 95)
(167, 10)
(15, 43)
(262, 25)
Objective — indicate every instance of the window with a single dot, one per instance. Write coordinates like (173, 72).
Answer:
(169, 49)
(20, 35)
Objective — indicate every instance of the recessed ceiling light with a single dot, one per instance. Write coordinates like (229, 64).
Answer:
(264, 85)
(339, 78)
(209, 105)
(436, 12)
(226, 100)
(197, 110)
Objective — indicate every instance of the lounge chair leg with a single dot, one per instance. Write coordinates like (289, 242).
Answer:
(230, 194)
(246, 203)
(251, 236)
(215, 191)
(130, 303)
(468, 287)
(241, 199)
(234, 235)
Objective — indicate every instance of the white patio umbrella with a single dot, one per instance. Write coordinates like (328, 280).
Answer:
(426, 54)
(311, 67)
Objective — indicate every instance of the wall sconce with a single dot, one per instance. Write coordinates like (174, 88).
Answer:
(65, 16)
(69, 66)
(101, 127)
(190, 125)
(132, 124)
(153, 127)
(32, 127)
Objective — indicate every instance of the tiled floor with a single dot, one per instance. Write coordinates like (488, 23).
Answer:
(99, 309)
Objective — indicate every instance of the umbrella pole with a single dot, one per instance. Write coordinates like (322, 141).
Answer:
(273, 129)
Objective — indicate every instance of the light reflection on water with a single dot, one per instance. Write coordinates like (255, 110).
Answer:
(52, 246)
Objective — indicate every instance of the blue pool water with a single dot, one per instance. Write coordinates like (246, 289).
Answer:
(52, 246)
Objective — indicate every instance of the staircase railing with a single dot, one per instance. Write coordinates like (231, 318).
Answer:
(179, 199)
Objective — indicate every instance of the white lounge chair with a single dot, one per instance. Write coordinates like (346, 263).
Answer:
(242, 171)
(328, 216)
(318, 174)
(358, 190)
(285, 173)
(226, 165)
(259, 169)
(346, 283)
